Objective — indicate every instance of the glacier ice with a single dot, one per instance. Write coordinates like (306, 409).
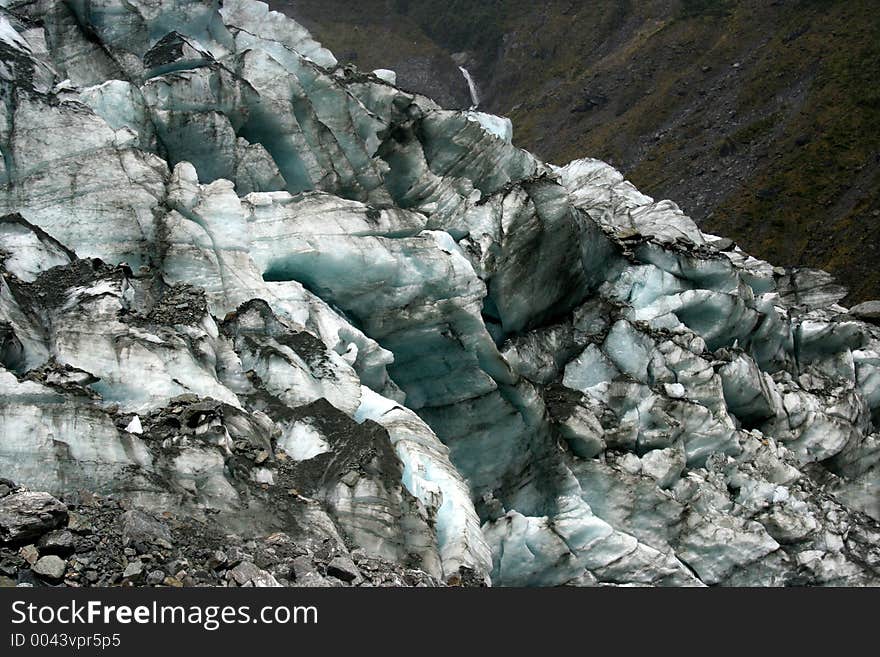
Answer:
(242, 280)
(303, 442)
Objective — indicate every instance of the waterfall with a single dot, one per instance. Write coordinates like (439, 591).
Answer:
(475, 98)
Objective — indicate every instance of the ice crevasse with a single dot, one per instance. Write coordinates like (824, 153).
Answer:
(243, 280)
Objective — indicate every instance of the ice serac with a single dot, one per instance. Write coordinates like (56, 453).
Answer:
(270, 291)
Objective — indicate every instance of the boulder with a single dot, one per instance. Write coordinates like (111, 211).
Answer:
(869, 311)
(25, 516)
(51, 567)
(58, 541)
(141, 527)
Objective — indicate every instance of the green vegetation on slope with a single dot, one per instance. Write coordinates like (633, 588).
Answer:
(458, 24)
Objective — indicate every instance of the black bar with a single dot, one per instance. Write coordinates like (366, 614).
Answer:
(448, 620)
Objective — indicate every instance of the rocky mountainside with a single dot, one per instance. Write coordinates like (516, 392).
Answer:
(761, 119)
(251, 296)
(93, 540)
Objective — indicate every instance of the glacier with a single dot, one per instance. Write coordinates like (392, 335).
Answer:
(246, 282)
